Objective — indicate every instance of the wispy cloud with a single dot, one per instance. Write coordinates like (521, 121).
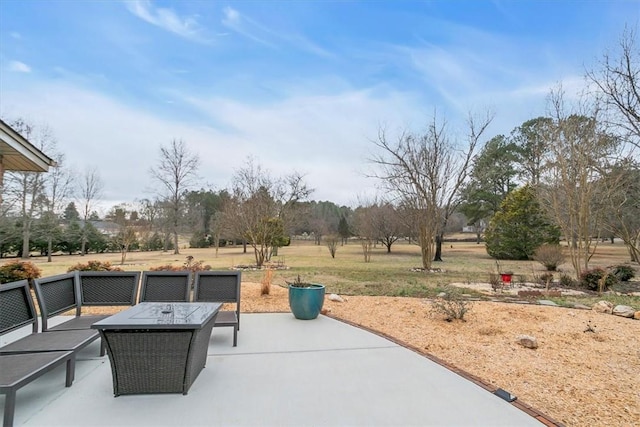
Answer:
(167, 19)
(19, 67)
(253, 30)
(246, 26)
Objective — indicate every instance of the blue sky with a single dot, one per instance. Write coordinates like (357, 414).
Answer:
(298, 85)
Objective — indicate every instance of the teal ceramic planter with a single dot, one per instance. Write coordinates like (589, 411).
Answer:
(306, 303)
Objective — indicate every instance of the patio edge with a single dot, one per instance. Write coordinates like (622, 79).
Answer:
(535, 413)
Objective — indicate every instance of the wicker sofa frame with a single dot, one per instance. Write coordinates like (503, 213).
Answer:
(224, 287)
(27, 358)
(70, 291)
(165, 286)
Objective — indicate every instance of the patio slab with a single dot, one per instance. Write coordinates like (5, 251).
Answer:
(284, 372)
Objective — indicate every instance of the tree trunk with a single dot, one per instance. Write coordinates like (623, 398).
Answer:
(259, 253)
(438, 254)
(25, 242)
(176, 249)
(123, 254)
(49, 248)
(424, 240)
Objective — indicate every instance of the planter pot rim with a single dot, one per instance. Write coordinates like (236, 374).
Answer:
(307, 286)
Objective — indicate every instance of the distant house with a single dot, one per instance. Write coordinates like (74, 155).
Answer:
(18, 154)
(108, 228)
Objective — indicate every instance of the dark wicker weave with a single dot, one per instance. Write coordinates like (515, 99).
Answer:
(70, 291)
(158, 357)
(17, 310)
(111, 288)
(221, 286)
(57, 295)
(165, 286)
(16, 307)
(18, 370)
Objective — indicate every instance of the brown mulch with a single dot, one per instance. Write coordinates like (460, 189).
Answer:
(578, 377)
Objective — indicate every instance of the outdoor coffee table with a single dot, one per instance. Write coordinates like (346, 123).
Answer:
(158, 347)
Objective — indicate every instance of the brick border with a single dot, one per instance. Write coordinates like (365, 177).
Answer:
(538, 415)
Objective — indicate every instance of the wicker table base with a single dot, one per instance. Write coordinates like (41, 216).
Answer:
(156, 360)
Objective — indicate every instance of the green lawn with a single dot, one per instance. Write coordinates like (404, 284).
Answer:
(386, 274)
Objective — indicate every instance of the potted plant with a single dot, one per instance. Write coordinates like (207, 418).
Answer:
(505, 276)
(305, 299)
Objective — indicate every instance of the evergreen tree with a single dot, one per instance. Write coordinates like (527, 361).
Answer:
(343, 229)
(71, 212)
(519, 227)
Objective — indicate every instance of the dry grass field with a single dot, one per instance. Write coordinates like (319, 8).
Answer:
(579, 378)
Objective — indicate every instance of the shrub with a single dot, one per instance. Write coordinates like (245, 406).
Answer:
(18, 270)
(623, 272)
(551, 256)
(597, 279)
(544, 278)
(452, 305)
(521, 280)
(189, 264)
(567, 281)
(94, 266)
(167, 267)
(199, 240)
(495, 281)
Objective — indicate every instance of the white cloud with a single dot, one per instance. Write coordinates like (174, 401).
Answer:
(326, 137)
(167, 19)
(19, 67)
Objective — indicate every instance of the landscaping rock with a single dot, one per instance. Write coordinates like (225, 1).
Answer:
(603, 307)
(623, 311)
(581, 307)
(636, 315)
(336, 298)
(527, 341)
(547, 302)
(442, 295)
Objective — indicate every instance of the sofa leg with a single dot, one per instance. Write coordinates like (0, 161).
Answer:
(9, 408)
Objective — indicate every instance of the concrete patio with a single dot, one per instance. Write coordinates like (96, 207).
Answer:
(284, 372)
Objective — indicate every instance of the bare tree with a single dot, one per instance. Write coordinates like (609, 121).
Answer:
(365, 228)
(260, 207)
(425, 174)
(26, 189)
(58, 187)
(621, 189)
(332, 244)
(88, 193)
(618, 81)
(579, 154)
(176, 172)
(124, 216)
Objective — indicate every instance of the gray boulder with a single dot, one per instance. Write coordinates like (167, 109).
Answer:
(527, 341)
(623, 311)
